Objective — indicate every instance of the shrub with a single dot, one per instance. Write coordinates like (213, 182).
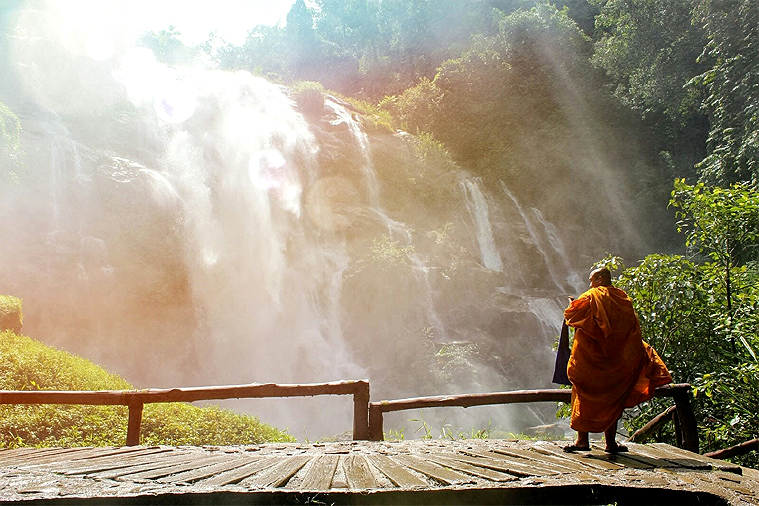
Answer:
(30, 365)
(309, 96)
(11, 316)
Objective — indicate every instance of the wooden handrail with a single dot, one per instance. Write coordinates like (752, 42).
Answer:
(652, 426)
(136, 399)
(733, 451)
(679, 392)
(367, 416)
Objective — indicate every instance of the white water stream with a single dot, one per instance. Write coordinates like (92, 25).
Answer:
(478, 209)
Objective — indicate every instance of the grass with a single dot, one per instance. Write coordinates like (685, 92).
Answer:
(453, 433)
(27, 364)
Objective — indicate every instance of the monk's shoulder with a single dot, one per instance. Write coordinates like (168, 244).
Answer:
(617, 292)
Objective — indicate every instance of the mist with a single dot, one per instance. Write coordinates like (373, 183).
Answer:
(183, 226)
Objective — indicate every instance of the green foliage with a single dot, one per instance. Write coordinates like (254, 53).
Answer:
(11, 314)
(447, 431)
(649, 48)
(731, 89)
(379, 118)
(309, 96)
(167, 47)
(722, 223)
(416, 107)
(30, 365)
(703, 322)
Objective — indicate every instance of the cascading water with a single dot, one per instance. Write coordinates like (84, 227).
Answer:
(478, 209)
(370, 177)
(223, 233)
(539, 240)
(265, 288)
(557, 245)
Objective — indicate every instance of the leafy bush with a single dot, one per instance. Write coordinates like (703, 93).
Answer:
(309, 96)
(30, 365)
(11, 316)
(701, 313)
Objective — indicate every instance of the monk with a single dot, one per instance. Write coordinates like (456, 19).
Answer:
(611, 368)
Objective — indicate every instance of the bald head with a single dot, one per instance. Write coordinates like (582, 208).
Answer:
(600, 277)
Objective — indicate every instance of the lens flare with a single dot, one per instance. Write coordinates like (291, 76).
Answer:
(99, 46)
(175, 102)
(266, 169)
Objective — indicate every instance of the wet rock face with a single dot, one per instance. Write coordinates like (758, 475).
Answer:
(261, 241)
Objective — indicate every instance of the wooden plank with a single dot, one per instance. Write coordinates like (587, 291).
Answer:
(238, 474)
(358, 473)
(511, 465)
(9, 454)
(188, 463)
(132, 467)
(722, 480)
(18, 457)
(633, 461)
(400, 476)
(553, 462)
(658, 458)
(194, 475)
(279, 474)
(91, 466)
(684, 455)
(592, 459)
(504, 465)
(452, 461)
(113, 472)
(636, 459)
(442, 474)
(119, 455)
(73, 455)
(320, 474)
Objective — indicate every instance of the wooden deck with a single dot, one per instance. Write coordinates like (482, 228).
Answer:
(361, 472)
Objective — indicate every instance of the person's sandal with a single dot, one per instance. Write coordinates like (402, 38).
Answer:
(574, 448)
(616, 449)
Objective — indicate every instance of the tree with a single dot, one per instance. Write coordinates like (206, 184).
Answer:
(732, 89)
(650, 51)
(721, 223)
(167, 47)
(694, 311)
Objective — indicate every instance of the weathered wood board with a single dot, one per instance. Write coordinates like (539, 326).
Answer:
(366, 468)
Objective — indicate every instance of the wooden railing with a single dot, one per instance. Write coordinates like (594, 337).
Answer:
(680, 393)
(136, 399)
(367, 416)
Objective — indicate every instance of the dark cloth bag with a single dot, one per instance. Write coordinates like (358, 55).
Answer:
(562, 357)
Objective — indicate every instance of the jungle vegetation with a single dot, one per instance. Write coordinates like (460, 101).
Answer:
(683, 75)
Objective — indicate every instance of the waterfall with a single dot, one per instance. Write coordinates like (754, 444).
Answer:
(367, 167)
(266, 290)
(544, 237)
(573, 279)
(478, 210)
(421, 272)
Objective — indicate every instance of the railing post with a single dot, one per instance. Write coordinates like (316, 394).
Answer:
(375, 422)
(678, 429)
(686, 418)
(361, 411)
(135, 420)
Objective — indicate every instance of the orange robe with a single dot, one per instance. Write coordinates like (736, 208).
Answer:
(611, 367)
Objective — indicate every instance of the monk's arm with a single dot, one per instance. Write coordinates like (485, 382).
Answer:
(579, 313)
